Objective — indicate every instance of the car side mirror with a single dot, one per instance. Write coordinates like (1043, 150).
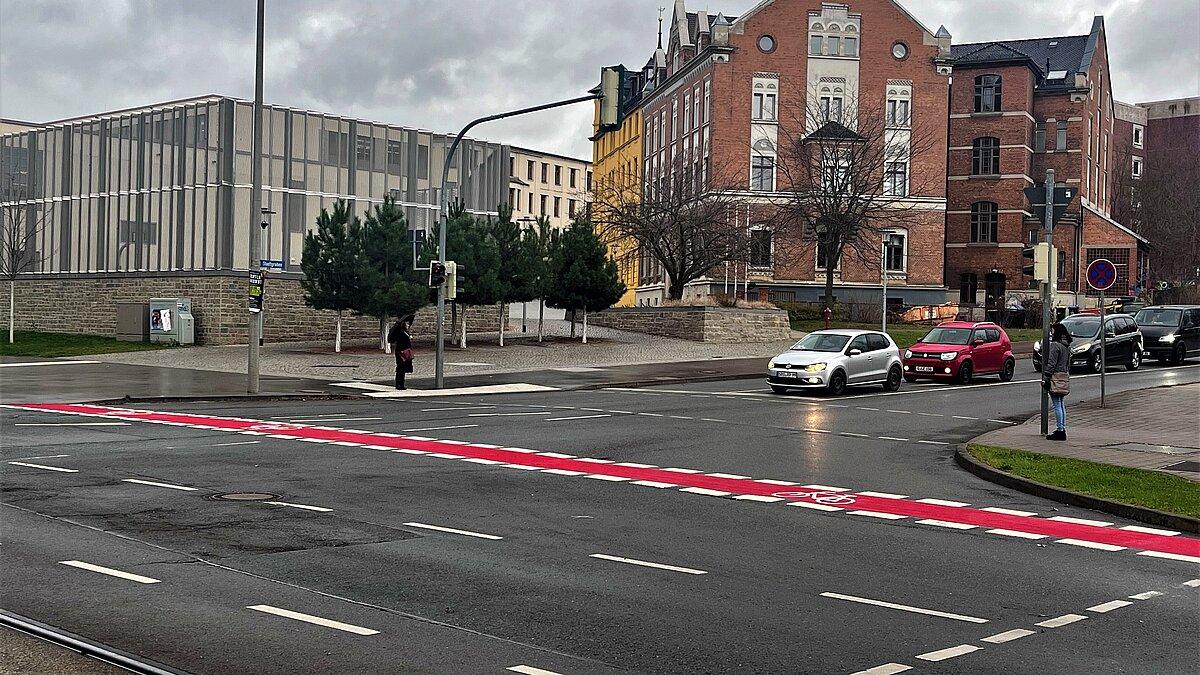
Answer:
(854, 352)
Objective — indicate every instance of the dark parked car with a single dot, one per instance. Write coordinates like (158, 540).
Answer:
(1171, 332)
(1123, 342)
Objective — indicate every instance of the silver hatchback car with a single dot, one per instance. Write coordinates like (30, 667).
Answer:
(835, 359)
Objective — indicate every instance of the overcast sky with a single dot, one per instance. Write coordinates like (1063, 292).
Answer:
(436, 64)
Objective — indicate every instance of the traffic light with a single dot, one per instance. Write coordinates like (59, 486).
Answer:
(610, 95)
(1044, 258)
(451, 280)
(437, 273)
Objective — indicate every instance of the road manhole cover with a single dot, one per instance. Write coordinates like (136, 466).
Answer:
(245, 496)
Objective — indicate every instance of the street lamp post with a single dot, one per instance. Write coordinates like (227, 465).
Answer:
(255, 319)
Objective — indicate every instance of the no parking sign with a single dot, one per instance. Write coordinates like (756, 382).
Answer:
(1101, 274)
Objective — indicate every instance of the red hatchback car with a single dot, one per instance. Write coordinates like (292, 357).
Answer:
(960, 350)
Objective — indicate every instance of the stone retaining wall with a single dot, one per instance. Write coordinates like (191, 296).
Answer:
(702, 324)
(87, 305)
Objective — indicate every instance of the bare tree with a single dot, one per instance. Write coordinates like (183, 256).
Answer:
(1169, 215)
(845, 177)
(684, 218)
(21, 228)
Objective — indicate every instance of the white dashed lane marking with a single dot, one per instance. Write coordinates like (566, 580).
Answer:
(1008, 636)
(904, 608)
(109, 571)
(315, 620)
(451, 530)
(948, 653)
(157, 484)
(45, 467)
(645, 563)
(1058, 621)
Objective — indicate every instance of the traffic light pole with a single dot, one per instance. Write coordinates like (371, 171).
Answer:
(256, 234)
(1047, 296)
(444, 215)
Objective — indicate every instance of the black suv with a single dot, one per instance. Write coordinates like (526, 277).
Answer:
(1172, 332)
(1123, 342)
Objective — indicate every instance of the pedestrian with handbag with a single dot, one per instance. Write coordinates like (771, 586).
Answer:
(401, 343)
(1056, 377)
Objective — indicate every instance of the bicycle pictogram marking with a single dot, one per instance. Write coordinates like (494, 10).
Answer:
(819, 496)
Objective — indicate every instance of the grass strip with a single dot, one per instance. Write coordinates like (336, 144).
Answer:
(1137, 487)
(49, 345)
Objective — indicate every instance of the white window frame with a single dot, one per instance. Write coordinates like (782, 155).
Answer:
(1139, 136)
(1136, 169)
(837, 269)
(894, 106)
(755, 156)
(763, 107)
(903, 251)
(827, 108)
(889, 184)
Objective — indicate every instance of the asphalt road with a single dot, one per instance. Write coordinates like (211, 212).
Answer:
(573, 572)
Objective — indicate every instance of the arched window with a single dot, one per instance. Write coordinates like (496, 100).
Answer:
(985, 156)
(983, 223)
(968, 286)
(987, 93)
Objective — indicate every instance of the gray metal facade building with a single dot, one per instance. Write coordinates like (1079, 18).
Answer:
(165, 189)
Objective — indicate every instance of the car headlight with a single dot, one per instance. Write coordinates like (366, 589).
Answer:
(908, 353)
(949, 356)
(1167, 338)
(771, 364)
(1081, 347)
(815, 367)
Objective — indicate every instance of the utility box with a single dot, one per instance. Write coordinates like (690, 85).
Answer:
(133, 321)
(171, 320)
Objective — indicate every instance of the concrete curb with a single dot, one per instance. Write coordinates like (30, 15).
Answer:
(672, 380)
(96, 650)
(1021, 484)
(225, 397)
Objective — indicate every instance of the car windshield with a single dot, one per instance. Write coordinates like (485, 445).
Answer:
(1158, 317)
(1082, 327)
(821, 342)
(947, 336)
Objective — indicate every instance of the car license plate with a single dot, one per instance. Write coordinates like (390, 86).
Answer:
(924, 369)
(787, 373)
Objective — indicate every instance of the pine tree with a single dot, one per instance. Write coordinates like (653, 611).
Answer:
(392, 287)
(332, 263)
(585, 277)
(518, 271)
(470, 244)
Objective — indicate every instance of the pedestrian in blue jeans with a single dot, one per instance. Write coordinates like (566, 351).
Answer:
(1056, 374)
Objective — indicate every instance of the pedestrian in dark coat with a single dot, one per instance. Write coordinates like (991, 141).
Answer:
(1056, 372)
(401, 343)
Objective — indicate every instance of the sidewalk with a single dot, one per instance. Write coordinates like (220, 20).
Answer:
(1156, 429)
(364, 361)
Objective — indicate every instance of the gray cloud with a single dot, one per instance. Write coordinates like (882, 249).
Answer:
(436, 65)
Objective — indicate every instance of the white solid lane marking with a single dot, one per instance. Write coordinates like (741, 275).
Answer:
(47, 468)
(574, 417)
(1015, 533)
(453, 426)
(644, 563)
(516, 387)
(460, 408)
(904, 608)
(340, 419)
(1008, 636)
(556, 455)
(678, 470)
(653, 484)
(881, 495)
(885, 669)
(1090, 544)
(727, 475)
(1109, 606)
(225, 445)
(1080, 521)
(1063, 620)
(878, 514)
(508, 414)
(563, 472)
(451, 530)
(28, 364)
(161, 485)
(705, 491)
(611, 479)
(1150, 530)
(942, 502)
(1145, 596)
(948, 653)
(946, 523)
(71, 424)
(109, 571)
(1008, 512)
(1171, 556)
(306, 507)
(530, 670)
(632, 465)
(315, 620)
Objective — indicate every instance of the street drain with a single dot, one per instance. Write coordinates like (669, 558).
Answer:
(244, 496)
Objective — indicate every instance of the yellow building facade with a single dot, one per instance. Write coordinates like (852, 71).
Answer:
(617, 160)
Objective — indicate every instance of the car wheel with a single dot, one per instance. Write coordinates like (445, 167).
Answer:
(1135, 361)
(779, 390)
(1097, 362)
(837, 383)
(965, 373)
(895, 375)
(1179, 355)
(1010, 367)
(910, 378)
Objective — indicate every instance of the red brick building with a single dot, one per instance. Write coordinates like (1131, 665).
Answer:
(723, 91)
(1018, 108)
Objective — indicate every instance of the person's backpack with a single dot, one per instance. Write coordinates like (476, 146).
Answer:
(1060, 384)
